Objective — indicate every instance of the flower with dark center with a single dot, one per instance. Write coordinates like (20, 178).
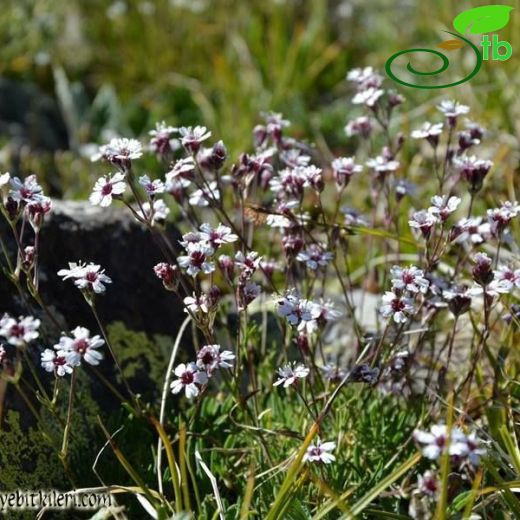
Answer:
(81, 346)
(396, 307)
(344, 168)
(106, 188)
(459, 300)
(55, 362)
(320, 452)
(499, 218)
(19, 332)
(192, 138)
(190, 378)
(424, 221)
(210, 357)
(473, 170)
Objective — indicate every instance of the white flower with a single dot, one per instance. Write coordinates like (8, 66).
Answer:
(27, 190)
(120, 149)
(434, 443)
(320, 452)
(333, 373)
(81, 346)
(4, 179)
(202, 197)
(56, 362)
(194, 237)
(451, 108)
(499, 218)
(291, 158)
(181, 173)
(365, 77)
(297, 311)
(197, 259)
(428, 484)
(74, 271)
(424, 221)
(183, 168)
(314, 257)
(460, 446)
(382, 164)
(290, 374)
(162, 129)
(292, 181)
(248, 292)
(344, 168)
(106, 187)
(474, 451)
(409, 279)
(160, 211)
(191, 138)
(396, 307)
(353, 217)
(473, 170)
(217, 236)
(427, 130)
(274, 122)
(19, 332)
(248, 264)
(189, 378)
(161, 141)
(86, 277)
(360, 126)
(505, 280)
(278, 221)
(197, 303)
(210, 357)
(367, 97)
(443, 206)
(472, 229)
(37, 209)
(327, 311)
(151, 187)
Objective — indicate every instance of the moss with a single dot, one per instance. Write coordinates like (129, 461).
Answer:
(143, 359)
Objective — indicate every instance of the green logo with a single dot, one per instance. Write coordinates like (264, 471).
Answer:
(479, 20)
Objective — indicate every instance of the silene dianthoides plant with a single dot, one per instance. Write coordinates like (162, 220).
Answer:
(368, 297)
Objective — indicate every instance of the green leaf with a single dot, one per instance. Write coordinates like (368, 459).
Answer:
(484, 19)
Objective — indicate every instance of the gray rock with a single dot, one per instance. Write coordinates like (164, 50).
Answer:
(111, 237)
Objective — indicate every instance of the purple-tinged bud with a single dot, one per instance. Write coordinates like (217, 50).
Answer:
(259, 135)
(292, 244)
(28, 257)
(214, 296)
(482, 271)
(302, 341)
(12, 208)
(168, 274)
(227, 266)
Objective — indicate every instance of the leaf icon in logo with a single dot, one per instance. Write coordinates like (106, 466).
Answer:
(484, 19)
(450, 45)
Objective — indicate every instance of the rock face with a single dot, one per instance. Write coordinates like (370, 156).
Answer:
(111, 237)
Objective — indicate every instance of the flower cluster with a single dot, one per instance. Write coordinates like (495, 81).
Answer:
(19, 332)
(201, 246)
(306, 315)
(70, 351)
(193, 376)
(460, 447)
(89, 278)
(407, 283)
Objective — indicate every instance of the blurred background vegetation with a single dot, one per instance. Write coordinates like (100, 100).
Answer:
(76, 72)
